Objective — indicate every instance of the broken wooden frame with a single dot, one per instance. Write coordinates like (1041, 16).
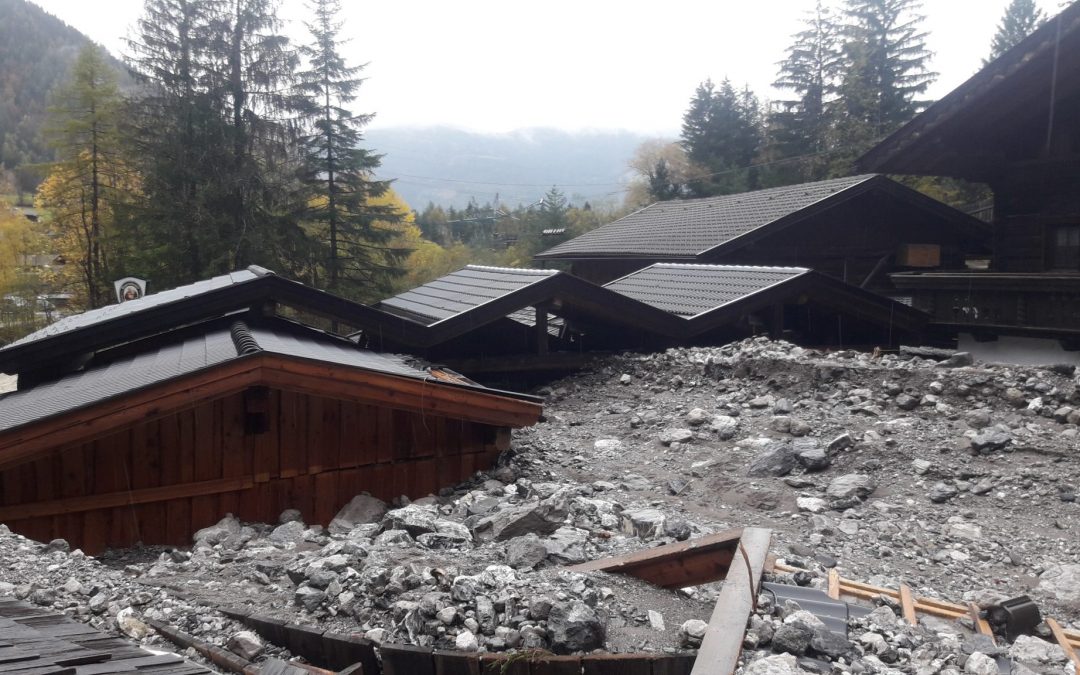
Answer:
(911, 607)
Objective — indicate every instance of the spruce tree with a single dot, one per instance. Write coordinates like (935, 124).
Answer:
(355, 233)
(886, 67)
(802, 125)
(722, 133)
(83, 187)
(1020, 18)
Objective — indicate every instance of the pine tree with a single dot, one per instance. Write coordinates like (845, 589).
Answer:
(802, 125)
(339, 172)
(886, 67)
(84, 186)
(722, 133)
(1020, 18)
(553, 209)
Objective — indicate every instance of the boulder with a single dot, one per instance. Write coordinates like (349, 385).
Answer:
(777, 664)
(643, 523)
(1062, 582)
(669, 436)
(361, 510)
(574, 627)
(777, 460)
(525, 552)
(792, 638)
(692, 632)
(246, 645)
(415, 520)
(219, 532)
(566, 546)
(725, 426)
(851, 486)
(543, 517)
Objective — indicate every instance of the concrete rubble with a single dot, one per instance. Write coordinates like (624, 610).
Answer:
(956, 477)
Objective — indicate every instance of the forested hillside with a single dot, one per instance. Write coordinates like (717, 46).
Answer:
(36, 53)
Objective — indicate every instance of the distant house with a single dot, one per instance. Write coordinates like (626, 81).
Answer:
(856, 229)
(148, 420)
(1014, 126)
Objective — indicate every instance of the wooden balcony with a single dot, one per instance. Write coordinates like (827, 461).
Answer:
(990, 303)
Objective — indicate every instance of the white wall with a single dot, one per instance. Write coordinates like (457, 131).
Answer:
(1017, 350)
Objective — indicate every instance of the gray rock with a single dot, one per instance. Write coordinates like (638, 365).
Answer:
(669, 436)
(361, 510)
(725, 426)
(677, 529)
(525, 552)
(1062, 582)
(777, 664)
(543, 517)
(697, 417)
(219, 532)
(906, 402)
(415, 520)
(245, 644)
(980, 664)
(812, 458)
(942, 492)
(130, 625)
(466, 641)
(692, 632)
(851, 486)
(979, 419)
(643, 523)
(566, 545)
(1031, 650)
(777, 460)
(957, 360)
(290, 532)
(841, 442)
(990, 440)
(60, 545)
(792, 638)
(309, 597)
(828, 643)
(574, 627)
(289, 515)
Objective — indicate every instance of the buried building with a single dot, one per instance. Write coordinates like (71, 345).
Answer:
(146, 421)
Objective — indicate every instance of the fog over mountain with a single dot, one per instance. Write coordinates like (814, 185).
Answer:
(450, 166)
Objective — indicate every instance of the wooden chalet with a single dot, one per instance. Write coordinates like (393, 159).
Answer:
(856, 229)
(145, 421)
(1014, 126)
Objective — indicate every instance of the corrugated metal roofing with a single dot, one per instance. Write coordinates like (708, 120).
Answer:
(690, 227)
(183, 357)
(110, 312)
(689, 290)
(463, 290)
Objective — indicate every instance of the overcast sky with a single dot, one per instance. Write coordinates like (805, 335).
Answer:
(499, 65)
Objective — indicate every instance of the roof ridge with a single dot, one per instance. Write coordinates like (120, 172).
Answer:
(858, 178)
(493, 268)
(777, 268)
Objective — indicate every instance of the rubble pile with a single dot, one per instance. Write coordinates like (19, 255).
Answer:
(957, 478)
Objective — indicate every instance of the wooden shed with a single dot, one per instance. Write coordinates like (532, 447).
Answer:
(149, 439)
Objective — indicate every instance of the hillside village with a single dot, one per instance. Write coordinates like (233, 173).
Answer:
(828, 425)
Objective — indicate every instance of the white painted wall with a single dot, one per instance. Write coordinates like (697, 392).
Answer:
(1017, 350)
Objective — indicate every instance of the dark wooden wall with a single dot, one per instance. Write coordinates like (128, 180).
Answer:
(186, 470)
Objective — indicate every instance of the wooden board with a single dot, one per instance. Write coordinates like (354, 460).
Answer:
(689, 563)
(722, 644)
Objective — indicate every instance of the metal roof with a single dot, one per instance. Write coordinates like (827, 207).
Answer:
(690, 227)
(690, 290)
(131, 307)
(163, 361)
(460, 291)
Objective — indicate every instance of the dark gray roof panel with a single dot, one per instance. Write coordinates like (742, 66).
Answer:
(461, 291)
(117, 378)
(689, 290)
(689, 227)
(184, 357)
(110, 312)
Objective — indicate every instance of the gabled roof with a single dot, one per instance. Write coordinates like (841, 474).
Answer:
(229, 355)
(688, 228)
(461, 291)
(708, 296)
(1000, 114)
(75, 336)
(690, 290)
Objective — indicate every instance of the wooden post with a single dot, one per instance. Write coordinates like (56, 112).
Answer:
(981, 624)
(907, 604)
(541, 330)
(834, 584)
(1063, 640)
(720, 649)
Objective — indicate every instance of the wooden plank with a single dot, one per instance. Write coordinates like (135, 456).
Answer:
(834, 584)
(907, 605)
(617, 664)
(722, 644)
(550, 664)
(981, 624)
(406, 660)
(267, 459)
(315, 437)
(1063, 642)
(674, 664)
(234, 450)
(689, 563)
(118, 499)
(503, 664)
(305, 641)
(343, 651)
(448, 662)
(292, 411)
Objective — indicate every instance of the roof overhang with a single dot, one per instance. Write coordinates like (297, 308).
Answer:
(287, 373)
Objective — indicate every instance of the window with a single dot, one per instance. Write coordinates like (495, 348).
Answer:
(1065, 247)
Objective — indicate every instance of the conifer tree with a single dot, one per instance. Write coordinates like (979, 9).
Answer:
(721, 134)
(1020, 18)
(358, 258)
(802, 125)
(887, 66)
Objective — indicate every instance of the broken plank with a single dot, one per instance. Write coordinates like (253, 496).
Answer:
(1063, 641)
(722, 644)
(689, 563)
(981, 624)
(834, 584)
(907, 605)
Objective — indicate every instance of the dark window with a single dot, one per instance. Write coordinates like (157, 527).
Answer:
(1065, 247)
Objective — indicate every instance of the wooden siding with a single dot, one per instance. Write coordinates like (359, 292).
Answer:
(159, 481)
